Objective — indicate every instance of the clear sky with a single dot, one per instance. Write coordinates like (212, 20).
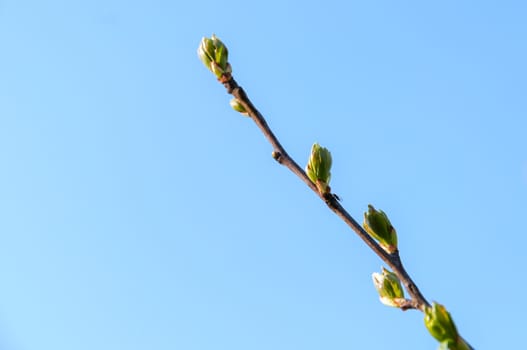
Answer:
(138, 211)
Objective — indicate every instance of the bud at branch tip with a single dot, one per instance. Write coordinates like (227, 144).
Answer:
(214, 55)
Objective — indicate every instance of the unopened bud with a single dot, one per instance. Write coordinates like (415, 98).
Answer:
(214, 55)
(318, 168)
(441, 326)
(377, 224)
(238, 107)
(389, 287)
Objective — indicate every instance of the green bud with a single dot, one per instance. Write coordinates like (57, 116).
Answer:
(377, 224)
(238, 107)
(441, 326)
(318, 168)
(214, 55)
(389, 288)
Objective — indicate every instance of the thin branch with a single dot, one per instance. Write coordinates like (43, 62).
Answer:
(392, 260)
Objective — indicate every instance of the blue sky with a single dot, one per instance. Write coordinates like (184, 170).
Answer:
(138, 211)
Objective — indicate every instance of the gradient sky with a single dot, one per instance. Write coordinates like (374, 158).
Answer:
(138, 211)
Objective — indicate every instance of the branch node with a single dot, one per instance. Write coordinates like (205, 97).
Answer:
(330, 198)
(277, 156)
(409, 305)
